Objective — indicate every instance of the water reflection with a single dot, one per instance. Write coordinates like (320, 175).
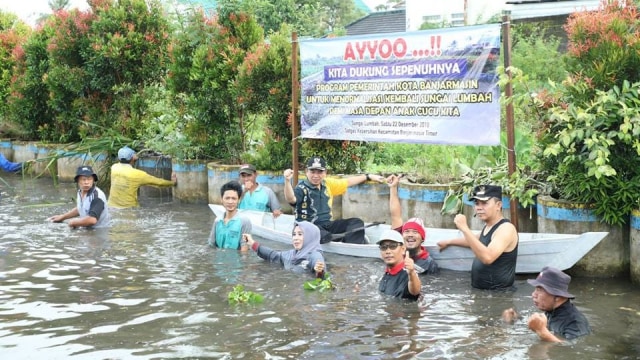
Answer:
(150, 288)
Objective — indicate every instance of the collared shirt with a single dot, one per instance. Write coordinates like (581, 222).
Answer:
(567, 321)
(313, 204)
(260, 199)
(426, 262)
(125, 182)
(94, 204)
(229, 235)
(423, 260)
(395, 282)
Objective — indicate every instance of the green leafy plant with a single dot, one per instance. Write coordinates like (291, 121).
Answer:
(589, 147)
(241, 296)
(320, 284)
(592, 152)
(490, 167)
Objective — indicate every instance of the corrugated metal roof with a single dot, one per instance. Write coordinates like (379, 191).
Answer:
(526, 9)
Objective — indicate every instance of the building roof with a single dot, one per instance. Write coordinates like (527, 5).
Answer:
(379, 23)
(527, 9)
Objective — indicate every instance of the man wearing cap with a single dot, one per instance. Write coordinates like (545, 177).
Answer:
(312, 200)
(561, 319)
(256, 196)
(412, 231)
(91, 209)
(495, 248)
(126, 180)
(400, 278)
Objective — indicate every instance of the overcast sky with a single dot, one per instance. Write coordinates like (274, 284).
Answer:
(30, 10)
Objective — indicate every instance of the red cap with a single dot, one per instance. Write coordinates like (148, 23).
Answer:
(415, 224)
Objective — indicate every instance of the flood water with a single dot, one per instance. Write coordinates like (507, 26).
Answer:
(150, 288)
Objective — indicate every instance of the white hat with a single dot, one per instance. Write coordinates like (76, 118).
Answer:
(391, 235)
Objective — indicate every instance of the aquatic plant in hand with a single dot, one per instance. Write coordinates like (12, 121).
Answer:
(320, 284)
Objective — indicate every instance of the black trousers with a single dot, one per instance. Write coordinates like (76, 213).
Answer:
(341, 226)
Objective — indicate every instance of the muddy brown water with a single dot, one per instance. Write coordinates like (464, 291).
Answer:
(150, 288)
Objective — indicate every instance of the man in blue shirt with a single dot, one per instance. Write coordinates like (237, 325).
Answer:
(226, 232)
(256, 196)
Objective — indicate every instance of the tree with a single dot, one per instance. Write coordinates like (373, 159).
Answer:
(57, 5)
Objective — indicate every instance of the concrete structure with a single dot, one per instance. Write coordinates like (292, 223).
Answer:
(192, 181)
(609, 258)
(634, 243)
(158, 166)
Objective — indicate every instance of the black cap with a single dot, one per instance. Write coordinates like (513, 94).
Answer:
(486, 192)
(85, 170)
(316, 163)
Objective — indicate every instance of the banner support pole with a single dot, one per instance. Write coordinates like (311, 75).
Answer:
(295, 90)
(508, 91)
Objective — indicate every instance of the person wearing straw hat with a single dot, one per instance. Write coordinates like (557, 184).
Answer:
(561, 319)
(126, 180)
(400, 277)
(91, 203)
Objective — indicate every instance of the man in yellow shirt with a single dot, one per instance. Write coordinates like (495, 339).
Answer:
(126, 180)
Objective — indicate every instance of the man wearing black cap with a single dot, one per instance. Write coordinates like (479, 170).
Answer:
(495, 248)
(91, 203)
(561, 317)
(256, 196)
(312, 200)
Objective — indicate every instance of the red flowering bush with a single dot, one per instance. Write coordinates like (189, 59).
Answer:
(591, 131)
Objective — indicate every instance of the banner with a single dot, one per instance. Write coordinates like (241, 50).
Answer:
(435, 87)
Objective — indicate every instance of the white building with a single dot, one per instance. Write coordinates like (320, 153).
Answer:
(471, 12)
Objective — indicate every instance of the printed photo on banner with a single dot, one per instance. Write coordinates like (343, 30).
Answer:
(434, 87)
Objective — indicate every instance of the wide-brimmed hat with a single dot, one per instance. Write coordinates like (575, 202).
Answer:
(316, 163)
(247, 169)
(126, 153)
(553, 281)
(486, 192)
(391, 235)
(85, 170)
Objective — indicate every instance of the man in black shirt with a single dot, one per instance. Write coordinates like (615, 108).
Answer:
(561, 319)
(495, 248)
(400, 278)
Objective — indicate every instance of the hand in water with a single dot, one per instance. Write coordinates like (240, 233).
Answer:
(509, 316)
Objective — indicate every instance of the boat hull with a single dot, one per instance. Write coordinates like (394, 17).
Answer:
(535, 250)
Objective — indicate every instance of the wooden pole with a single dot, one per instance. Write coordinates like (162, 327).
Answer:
(295, 90)
(508, 91)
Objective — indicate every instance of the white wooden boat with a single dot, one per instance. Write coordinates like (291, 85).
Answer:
(535, 250)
